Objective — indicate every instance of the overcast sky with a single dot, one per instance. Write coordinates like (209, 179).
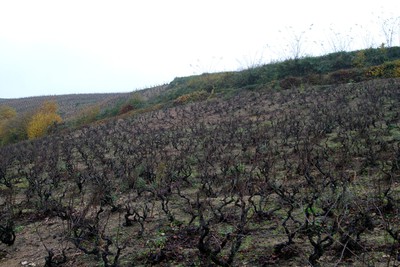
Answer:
(62, 47)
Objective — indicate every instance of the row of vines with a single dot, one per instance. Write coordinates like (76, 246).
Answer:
(296, 177)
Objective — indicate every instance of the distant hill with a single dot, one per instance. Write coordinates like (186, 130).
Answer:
(69, 105)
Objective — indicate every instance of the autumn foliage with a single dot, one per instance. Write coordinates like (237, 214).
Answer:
(6, 113)
(43, 119)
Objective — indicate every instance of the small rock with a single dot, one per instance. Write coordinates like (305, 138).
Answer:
(26, 263)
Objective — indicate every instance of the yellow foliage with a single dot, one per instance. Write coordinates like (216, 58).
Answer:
(2, 131)
(6, 113)
(359, 60)
(194, 96)
(49, 107)
(43, 119)
(389, 69)
(182, 99)
(376, 71)
(397, 72)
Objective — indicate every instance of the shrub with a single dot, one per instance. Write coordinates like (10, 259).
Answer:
(376, 56)
(45, 117)
(88, 115)
(7, 113)
(136, 101)
(313, 79)
(359, 60)
(290, 82)
(387, 70)
(125, 109)
(14, 130)
(345, 76)
(191, 97)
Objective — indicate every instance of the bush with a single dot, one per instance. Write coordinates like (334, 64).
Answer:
(192, 97)
(88, 115)
(14, 130)
(359, 60)
(376, 56)
(290, 82)
(45, 117)
(345, 76)
(387, 70)
(125, 109)
(313, 79)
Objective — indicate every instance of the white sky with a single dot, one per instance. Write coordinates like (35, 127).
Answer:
(62, 47)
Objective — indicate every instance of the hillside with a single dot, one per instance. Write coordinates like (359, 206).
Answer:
(339, 67)
(225, 169)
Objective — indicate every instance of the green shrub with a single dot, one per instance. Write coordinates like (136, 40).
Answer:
(376, 56)
(88, 115)
(360, 59)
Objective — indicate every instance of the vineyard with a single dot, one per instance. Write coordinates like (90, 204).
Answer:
(303, 176)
